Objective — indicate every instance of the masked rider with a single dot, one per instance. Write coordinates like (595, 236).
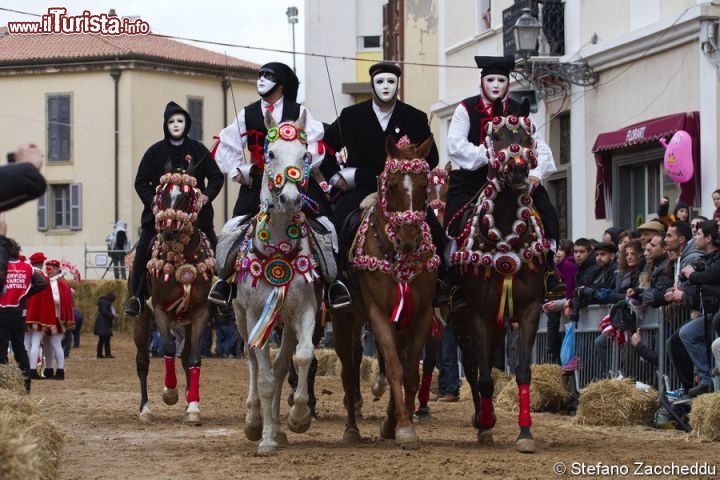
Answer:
(468, 150)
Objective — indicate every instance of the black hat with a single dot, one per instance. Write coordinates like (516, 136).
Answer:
(496, 65)
(284, 76)
(171, 109)
(385, 67)
(606, 247)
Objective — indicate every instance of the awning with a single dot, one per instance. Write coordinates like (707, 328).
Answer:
(638, 134)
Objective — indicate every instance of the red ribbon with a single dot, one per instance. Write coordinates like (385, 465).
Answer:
(402, 312)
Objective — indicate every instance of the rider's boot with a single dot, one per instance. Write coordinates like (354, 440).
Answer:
(456, 296)
(221, 293)
(338, 295)
(133, 307)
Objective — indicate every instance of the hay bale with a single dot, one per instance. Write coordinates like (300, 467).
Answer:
(500, 380)
(16, 402)
(30, 448)
(327, 361)
(86, 296)
(369, 369)
(615, 403)
(11, 378)
(705, 417)
(549, 391)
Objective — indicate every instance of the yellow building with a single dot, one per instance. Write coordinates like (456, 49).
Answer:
(93, 104)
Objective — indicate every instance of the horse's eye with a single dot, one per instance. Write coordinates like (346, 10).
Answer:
(271, 155)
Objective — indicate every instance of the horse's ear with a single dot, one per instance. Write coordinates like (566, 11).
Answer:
(448, 166)
(300, 122)
(498, 108)
(391, 147)
(525, 108)
(269, 120)
(424, 148)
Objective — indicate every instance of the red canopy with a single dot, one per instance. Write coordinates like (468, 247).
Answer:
(637, 134)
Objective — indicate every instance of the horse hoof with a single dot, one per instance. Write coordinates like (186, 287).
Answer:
(485, 437)
(379, 387)
(299, 426)
(192, 414)
(406, 437)
(146, 415)
(525, 445)
(351, 437)
(267, 448)
(253, 433)
(170, 395)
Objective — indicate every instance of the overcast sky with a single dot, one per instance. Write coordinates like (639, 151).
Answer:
(251, 23)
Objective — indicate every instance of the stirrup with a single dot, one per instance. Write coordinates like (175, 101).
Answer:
(220, 293)
(133, 307)
(457, 299)
(338, 296)
(554, 288)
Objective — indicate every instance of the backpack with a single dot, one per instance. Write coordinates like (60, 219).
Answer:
(622, 317)
(120, 240)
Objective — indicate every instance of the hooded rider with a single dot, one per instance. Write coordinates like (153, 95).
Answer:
(176, 151)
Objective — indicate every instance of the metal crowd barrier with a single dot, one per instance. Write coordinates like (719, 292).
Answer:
(655, 324)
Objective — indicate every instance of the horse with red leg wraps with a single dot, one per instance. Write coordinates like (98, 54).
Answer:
(499, 257)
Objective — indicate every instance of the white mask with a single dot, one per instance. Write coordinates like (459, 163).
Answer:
(385, 86)
(264, 85)
(176, 125)
(494, 86)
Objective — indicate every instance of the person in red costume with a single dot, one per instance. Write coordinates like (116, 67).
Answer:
(40, 314)
(64, 320)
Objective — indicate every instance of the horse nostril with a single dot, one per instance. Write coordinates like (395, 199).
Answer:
(282, 198)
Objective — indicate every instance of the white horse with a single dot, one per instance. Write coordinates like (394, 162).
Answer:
(277, 277)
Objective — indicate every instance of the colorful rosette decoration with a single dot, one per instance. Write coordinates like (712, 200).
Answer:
(272, 134)
(507, 263)
(263, 234)
(185, 274)
(293, 231)
(278, 271)
(279, 180)
(288, 132)
(519, 227)
(294, 174)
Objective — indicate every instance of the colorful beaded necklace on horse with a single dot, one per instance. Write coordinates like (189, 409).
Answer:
(168, 257)
(494, 250)
(277, 263)
(403, 267)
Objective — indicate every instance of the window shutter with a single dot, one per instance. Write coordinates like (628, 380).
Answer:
(75, 206)
(58, 127)
(65, 127)
(42, 217)
(195, 109)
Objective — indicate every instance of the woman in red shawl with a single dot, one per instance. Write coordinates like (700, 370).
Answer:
(40, 315)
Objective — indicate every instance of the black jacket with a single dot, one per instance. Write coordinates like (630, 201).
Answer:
(702, 291)
(358, 129)
(105, 317)
(19, 182)
(163, 157)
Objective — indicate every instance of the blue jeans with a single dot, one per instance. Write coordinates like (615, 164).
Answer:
(447, 363)
(226, 337)
(692, 336)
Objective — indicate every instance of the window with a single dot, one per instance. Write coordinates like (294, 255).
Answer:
(564, 150)
(58, 128)
(369, 42)
(638, 183)
(61, 207)
(195, 109)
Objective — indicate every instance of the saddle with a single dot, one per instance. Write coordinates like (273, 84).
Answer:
(228, 246)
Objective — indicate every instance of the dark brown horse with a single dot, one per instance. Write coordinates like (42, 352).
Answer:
(180, 274)
(395, 264)
(500, 255)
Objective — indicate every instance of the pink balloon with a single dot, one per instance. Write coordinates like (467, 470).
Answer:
(678, 157)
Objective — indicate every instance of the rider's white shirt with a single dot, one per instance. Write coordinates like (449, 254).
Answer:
(471, 157)
(230, 153)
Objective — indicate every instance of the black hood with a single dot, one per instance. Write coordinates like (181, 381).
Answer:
(171, 109)
(285, 77)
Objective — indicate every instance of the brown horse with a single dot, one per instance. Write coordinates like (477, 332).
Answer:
(499, 256)
(180, 274)
(395, 267)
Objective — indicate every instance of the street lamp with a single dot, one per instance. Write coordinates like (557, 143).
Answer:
(292, 15)
(546, 74)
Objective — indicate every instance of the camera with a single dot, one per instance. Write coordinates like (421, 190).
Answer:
(11, 157)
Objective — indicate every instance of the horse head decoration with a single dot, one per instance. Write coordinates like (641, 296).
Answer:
(395, 266)
(499, 251)
(180, 269)
(276, 275)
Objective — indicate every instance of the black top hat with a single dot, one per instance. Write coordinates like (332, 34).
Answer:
(496, 65)
(384, 67)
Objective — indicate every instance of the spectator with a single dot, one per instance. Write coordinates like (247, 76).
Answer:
(566, 268)
(716, 204)
(648, 229)
(226, 332)
(612, 234)
(651, 291)
(25, 282)
(696, 221)
(681, 213)
(701, 293)
(104, 324)
(40, 315)
(118, 244)
(642, 349)
(680, 245)
(79, 320)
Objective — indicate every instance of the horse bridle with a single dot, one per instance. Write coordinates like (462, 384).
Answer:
(514, 154)
(287, 132)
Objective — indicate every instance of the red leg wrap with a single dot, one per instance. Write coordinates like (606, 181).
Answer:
(193, 393)
(524, 419)
(170, 378)
(487, 413)
(424, 392)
